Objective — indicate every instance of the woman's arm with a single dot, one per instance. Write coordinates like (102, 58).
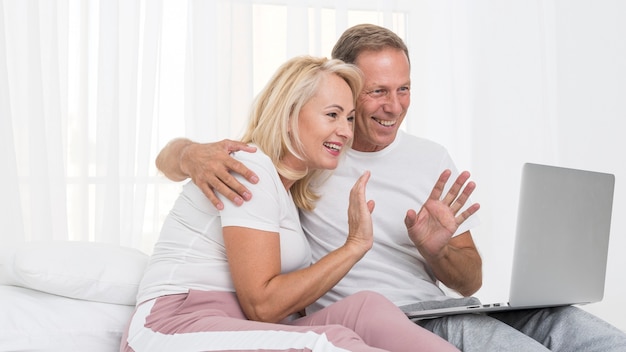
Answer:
(266, 294)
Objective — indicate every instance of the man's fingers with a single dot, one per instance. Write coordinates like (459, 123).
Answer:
(456, 187)
(235, 146)
(224, 190)
(208, 192)
(242, 170)
(226, 184)
(439, 186)
(410, 218)
(460, 201)
(467, 213)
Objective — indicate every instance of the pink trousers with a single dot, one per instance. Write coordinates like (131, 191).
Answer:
(213, 321)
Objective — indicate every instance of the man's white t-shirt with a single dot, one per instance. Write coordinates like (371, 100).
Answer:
(190, 252)
(402, 177)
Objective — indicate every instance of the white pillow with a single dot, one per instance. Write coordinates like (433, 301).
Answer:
(83, 270)
(7, 252)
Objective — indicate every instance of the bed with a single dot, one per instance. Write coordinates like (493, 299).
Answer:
(66, 295)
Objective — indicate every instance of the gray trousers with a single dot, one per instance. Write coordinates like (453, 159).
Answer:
(548, 329)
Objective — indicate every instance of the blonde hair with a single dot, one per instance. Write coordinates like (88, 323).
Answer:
(275, 112)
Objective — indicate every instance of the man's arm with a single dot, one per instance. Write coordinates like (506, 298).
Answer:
(455, 261)
(459, 266)
(209, 166)
(168, 160)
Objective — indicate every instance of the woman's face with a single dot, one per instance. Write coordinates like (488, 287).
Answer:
(325, 124)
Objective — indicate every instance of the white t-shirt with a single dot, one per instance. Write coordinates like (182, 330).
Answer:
(402, 177)
(190, 252)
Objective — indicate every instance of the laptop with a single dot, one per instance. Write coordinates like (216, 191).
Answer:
(561, 242)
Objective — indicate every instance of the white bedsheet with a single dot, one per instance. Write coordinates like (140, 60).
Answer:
(36, 321)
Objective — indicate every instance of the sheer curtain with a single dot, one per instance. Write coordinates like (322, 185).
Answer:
(78, 104)
(90, 91)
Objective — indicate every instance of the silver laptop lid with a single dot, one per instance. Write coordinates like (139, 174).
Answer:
(562, 236)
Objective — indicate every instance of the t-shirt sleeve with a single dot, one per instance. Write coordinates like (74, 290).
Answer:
(262, 212)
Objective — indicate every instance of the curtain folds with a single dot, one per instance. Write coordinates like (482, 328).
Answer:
(92, 90)
(78, 106)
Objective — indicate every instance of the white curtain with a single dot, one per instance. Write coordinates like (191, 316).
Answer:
(91, 90)
(78, 98)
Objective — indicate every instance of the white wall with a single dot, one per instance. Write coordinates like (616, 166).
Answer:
(547, 84)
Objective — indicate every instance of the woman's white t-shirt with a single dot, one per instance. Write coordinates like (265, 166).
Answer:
(190, 253)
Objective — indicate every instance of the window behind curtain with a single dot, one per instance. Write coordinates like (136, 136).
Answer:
(96, 88)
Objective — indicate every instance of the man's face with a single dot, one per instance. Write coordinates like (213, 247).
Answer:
(385, 98)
